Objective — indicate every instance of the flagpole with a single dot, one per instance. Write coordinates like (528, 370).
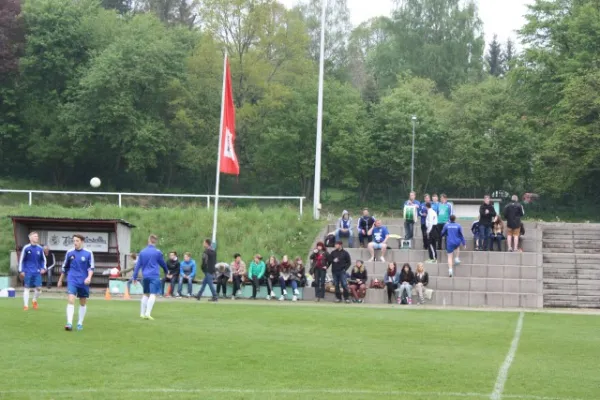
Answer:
(218, 180)
(317, 189)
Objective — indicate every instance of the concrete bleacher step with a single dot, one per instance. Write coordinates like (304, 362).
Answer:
(485, 299)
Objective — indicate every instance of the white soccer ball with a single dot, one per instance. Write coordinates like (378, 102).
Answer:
(115, 290)
(114, 272)
(95, 182)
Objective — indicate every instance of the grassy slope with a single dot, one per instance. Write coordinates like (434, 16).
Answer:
(244, 230)
(268, 351)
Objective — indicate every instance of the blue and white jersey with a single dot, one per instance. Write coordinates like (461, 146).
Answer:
(33, 259)
(150, 261)
(454, 233)
(78, 263)
(380, 234)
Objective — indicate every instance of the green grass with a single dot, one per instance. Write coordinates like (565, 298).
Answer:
(271, 351)
(274, 230)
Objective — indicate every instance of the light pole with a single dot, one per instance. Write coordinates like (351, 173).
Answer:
(317, 189)
(412, 163)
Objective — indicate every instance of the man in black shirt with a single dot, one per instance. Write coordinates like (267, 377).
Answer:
(487, 213)
(512, 214)
(209, 262)
(340, 261)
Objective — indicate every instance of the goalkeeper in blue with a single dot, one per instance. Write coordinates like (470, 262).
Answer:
(80, 264)
(150, 260)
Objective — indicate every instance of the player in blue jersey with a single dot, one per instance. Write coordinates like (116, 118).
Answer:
(32, 264)
(150, 260)
(454, 239)
(80, 264)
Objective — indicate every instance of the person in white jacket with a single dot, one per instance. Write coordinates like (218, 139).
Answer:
(432, 233)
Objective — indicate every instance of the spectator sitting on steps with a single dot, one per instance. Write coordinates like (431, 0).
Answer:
(223, 276)
(271, 276)
(286, 275)
(513, 213)
(409, 222)
(298, 273)
(421, 280)
(340, 261)
(406, 281)
(187, 271)
(238, 271)
(497, 233)
(486, 216)
(365, 223)
(344, 228)
(173, 276)
(391, 278)
(380, 235)
(358, 282)
(454, 238)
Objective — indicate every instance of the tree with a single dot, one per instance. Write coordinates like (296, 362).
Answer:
(122, 6)
(495, 58)
(509, 55)
(172, 12)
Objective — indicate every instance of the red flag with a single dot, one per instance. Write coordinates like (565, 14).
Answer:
(229, 162)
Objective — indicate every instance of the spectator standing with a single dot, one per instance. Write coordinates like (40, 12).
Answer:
(286, 275)
(365, 223)
(187, 272)
(256, 272)
(172, 276)
(380, 235)
(340, 261)
(432, 233)
(512, 214)
(421, 280)
(444, 211)
(391, 279)
(319, 259)
(497, 233)
(423, 214)
(435, 203)
(486, 216)
(223, 276)
(50, 263)
(209, 261)
(271, 276)
(454, 239)
(406, 281)
(238, 270)
(344, 228)
(410, 217)
(358, 282)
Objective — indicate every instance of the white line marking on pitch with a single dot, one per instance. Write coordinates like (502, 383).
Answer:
(503, 373)
(284, 392)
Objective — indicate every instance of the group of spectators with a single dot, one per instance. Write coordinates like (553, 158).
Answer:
(372, 234)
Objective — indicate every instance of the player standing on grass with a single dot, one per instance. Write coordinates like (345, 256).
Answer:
(32, 264)
(149, 260)
(80, 264)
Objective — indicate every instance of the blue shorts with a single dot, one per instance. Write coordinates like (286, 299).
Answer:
(377, 246)
(32, 280)
(450, 248)
(82, 291)
(151, 285)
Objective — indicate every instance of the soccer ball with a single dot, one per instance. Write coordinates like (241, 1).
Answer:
(114, 272)
(115, 290)
(95, 182)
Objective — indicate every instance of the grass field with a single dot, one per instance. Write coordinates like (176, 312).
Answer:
(274, 230)
(293, 351)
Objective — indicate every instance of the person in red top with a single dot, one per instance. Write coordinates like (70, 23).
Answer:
(319, 260)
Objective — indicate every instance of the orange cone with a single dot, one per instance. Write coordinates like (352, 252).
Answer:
(107, 294)
(126, 295)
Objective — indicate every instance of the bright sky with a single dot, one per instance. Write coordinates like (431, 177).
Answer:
(502, 17)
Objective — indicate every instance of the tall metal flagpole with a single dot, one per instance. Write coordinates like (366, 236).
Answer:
(218, 180)
(317, 189)
(412, 163)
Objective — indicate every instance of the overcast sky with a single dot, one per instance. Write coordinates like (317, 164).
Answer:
(502, 17)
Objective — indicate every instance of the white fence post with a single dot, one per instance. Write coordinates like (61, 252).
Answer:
(119, 200)
(208, 202)
(301, 201)
(30, 198)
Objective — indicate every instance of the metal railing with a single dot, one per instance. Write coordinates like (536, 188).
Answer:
(120, 195)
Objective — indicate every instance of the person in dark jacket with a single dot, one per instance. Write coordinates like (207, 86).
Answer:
(407, 279)
(50, 263)
(340, 261)
(391, 278)
(209, 261)
(512, 214)
(421, 280)
(173, 276)
(486, 218)
(365, 223)
(299, 272)
(358, 282)
(319, 263)
(286, 275)
(271, 276)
